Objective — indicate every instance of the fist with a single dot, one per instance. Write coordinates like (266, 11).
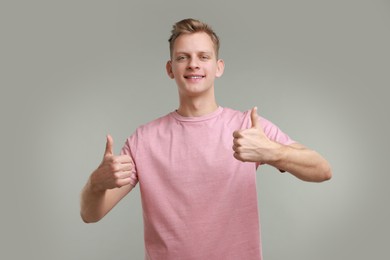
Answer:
(114, 171)
(252, 145)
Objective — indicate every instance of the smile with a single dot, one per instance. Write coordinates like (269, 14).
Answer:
(194, 77)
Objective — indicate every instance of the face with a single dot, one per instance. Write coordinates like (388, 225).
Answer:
(194, 64)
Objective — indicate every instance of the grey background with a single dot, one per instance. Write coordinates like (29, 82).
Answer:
(73, 71)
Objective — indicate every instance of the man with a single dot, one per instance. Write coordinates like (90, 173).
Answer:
(196, 166)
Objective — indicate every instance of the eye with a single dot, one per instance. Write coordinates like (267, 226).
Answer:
(204, 57)
(181, 58)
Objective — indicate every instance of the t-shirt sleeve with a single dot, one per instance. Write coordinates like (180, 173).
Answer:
(128, 149)
(274, 133)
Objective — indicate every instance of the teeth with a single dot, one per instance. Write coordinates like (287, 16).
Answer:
(194, 77)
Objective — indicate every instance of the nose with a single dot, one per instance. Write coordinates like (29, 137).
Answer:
(193, 63)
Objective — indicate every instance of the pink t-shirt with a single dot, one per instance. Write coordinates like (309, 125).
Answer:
(198, 201)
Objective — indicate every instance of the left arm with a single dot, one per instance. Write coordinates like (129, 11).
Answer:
(252, 145)
(301, 162)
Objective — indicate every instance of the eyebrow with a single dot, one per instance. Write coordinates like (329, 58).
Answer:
(199, 52)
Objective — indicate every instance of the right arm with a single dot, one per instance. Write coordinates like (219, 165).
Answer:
(107, 185)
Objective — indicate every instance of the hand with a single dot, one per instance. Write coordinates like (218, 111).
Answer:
(114, 171)
(252, 145)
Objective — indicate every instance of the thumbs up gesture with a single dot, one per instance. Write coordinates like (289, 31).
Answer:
(252, 145)
(114, 171)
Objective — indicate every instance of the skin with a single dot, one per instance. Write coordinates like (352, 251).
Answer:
(107, 185)
(252, 145)
(194, 55)
(194, 66)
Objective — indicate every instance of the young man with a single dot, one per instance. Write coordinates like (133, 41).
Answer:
(196, 166)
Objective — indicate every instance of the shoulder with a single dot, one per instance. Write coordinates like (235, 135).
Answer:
(148, 130)
(240, 119)
(231, 111)
(154, 125)
(234, 114)
(244, 117)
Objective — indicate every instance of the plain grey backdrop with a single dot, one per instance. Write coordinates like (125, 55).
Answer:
(73, 71)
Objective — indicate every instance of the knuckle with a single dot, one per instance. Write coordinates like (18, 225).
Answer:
(237, 133)
(118, 184)
(113, 168)
(108, 158)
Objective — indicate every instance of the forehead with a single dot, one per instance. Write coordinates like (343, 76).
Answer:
(194, 42)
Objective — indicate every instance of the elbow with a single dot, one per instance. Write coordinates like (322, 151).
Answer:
(322, 173)
(329, 173)
(87, 219)
(325, 174)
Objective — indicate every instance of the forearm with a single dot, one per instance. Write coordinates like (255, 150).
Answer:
(303, 163)
(96, 201)
(92, 207)
(107, 185)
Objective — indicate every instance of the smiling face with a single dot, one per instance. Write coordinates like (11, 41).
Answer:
(194, 64)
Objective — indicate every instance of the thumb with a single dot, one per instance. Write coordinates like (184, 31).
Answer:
(255, 118)
(109, 146)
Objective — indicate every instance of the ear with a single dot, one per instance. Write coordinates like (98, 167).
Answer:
(168, 67)
(220, 68)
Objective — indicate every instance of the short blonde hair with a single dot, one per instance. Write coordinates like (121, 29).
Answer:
(188, 26)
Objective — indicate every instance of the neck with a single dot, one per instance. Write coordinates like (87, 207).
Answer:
(195, 107)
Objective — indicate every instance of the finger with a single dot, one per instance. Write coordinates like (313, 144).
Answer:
(124, 159)
(243, 157)
(238, 148)
(123, 174)
(109, 146)
(122, 182)
(255, 118)
(120, 159)
(125, 167)
(237, 134)
(237, 156)
(115, 166)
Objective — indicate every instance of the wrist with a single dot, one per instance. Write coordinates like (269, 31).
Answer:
(276, 154)
(94, 185)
